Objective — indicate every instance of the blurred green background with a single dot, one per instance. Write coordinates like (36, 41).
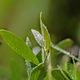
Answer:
(62, 18)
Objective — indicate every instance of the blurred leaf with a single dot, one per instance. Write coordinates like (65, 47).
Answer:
(18, 45)
(65, 43)
(38, 73)
(28, 42)
(64, 60)
(39, 38)
(72, 70)
(36, 50)
(16, 71)
(78, 74)
(59, 75)
(45, 33)
(46, 78)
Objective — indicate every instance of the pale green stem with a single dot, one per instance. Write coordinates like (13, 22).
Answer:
(43, 55)
(46, 59)
(28, 69)
(49, 66)
(65, 52)
(63, 73)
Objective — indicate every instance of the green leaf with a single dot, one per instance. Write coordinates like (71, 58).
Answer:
(39, 72)
(28, 42)
(72, 70)
(78, 74)
(59, 75)
(65, 43)
(45, 33)
(38, 37)
(36, 50)
(18, 45)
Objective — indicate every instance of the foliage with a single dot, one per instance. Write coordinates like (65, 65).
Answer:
(42, 70)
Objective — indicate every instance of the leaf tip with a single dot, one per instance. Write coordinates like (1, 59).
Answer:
(32, 30)
(40, 14)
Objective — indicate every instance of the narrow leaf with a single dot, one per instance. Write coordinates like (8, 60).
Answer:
(28, 42)
(65, 43)
(45, 33)
(36, 50)
(38, 37)
(18, 45)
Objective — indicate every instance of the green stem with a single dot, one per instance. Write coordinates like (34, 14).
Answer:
(49, 66)
(43, 55)
(63, 73)
(28, 69)
(46, 58)
(65, 52)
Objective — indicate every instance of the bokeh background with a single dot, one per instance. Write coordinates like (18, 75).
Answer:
(62, 18)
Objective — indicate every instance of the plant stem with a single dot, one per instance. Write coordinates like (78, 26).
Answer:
(65, 52)
(49, 66)
(63, 73)
(43, 55)
(28, 69)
